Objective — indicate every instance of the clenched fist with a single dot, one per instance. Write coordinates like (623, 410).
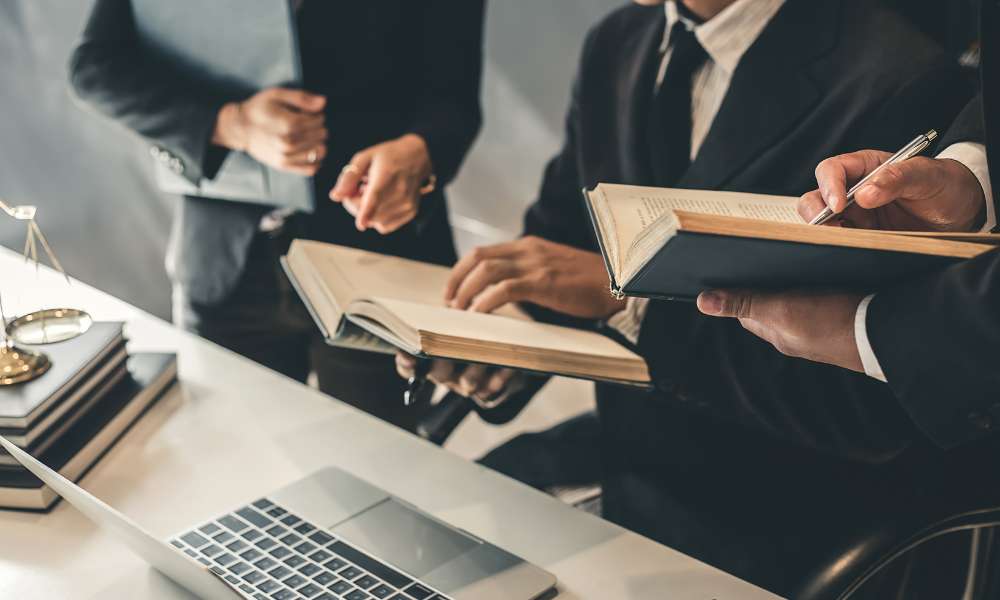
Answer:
(281, 128)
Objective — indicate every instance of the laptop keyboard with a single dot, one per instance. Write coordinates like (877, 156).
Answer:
(267, 553)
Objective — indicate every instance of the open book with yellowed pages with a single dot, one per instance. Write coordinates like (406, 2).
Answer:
(382, 303)
(676, 243)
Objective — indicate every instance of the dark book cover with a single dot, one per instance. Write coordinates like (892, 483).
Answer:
(65, 422)
(72, 361)
(83, 391)
(149, 375)
(691, 263)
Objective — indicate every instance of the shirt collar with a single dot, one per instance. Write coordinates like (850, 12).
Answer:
(727, 36)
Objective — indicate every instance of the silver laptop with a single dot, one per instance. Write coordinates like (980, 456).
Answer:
(329, 536)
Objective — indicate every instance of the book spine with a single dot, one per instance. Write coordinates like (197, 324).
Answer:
(616, 290)
(327, 335)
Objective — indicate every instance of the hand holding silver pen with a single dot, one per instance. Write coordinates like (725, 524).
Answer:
(949, 192)
(914, 148)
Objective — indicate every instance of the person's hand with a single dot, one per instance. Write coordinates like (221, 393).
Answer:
(531, 269)
(382, 186)
(281, 128)
(484, 385)
(918, 194)
(815, 326)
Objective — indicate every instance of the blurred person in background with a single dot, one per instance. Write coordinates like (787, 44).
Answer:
(388, 110)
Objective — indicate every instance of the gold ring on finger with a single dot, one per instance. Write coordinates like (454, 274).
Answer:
(429, 185)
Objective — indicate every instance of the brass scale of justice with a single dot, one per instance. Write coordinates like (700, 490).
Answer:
(18, 363)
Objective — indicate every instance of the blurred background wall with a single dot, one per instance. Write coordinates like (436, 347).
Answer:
(92, 180)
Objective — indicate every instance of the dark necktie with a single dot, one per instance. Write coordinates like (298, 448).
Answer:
(670, 115)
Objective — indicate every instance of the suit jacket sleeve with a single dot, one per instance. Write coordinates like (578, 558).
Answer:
(968, 126)
(449, 114)
(937, 338)
(938, 341)
(111, 71)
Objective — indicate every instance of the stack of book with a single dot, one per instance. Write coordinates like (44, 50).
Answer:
(76, 411)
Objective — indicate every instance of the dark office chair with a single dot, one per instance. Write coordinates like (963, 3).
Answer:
(961, 493)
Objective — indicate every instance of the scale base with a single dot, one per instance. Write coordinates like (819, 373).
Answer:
(18, 365)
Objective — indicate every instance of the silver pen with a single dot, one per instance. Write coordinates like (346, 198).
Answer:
(918, 145)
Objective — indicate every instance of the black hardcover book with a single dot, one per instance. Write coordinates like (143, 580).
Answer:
(21, 406)
(149, 375)
(64, 421)
(674, 244)
(84, 389)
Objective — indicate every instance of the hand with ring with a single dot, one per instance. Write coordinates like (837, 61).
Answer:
(382, 185)
(282, 128)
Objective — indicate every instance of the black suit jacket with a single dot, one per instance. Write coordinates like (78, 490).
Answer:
(387, 67)
(938, 338)
(825, 77)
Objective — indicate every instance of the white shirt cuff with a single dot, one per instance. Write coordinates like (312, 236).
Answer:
(868, 358)
(973, 156)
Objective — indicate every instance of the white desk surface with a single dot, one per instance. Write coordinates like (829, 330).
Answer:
(233, 431)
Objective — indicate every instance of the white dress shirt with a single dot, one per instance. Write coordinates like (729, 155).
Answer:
(973, 156)
(725, 38)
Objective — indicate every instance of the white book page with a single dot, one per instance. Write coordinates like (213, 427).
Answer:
(637, 208)
(644, 216)
(357, 274)
(627, 215)
(367, 274)
(493, 329)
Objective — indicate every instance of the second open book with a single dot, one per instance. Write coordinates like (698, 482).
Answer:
(382, 303)
(676, 243)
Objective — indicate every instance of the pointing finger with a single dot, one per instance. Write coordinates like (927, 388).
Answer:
(503, 293)
(485, 274)
(469, 262)
(834, 175)
(351, 178)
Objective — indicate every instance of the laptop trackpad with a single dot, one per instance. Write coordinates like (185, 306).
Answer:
(403, 537)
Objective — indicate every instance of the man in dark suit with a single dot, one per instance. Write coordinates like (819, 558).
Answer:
(934, 339)
(744, 96)
(391, 89)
